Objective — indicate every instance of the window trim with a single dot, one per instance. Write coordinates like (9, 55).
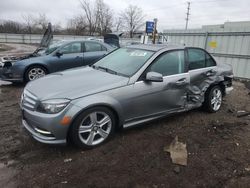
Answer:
(187, 48)
(143, 75)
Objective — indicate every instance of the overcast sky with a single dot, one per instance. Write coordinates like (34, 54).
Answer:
(170, 13)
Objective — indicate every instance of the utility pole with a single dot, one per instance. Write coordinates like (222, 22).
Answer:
(188, 9)
(154, 32)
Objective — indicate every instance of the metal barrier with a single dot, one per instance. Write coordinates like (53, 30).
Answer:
(232, 47)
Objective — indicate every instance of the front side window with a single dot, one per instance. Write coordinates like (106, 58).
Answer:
(126, 61)
(72, 48)
(53, 47)
(94, 47)
(169, 63)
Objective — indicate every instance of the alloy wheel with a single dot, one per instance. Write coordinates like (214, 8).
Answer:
(36, 73)
(216, 99)
(95, 128)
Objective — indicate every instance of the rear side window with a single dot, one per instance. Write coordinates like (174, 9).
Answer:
(169, 63)
(209, 61)
(199, 59)
(196, 59)
(94, 47)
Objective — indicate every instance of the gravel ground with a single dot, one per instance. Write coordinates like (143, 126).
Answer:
(218, 148)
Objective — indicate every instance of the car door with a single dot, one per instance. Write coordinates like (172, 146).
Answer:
(93, 51)
(158, 98)
(202, 70)
(69, 56)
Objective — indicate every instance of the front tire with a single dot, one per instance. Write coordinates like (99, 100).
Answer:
(92, 128)
(35, 72)
(213, 99)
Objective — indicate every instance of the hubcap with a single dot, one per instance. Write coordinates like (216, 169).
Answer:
(216, 99)
(95, 128)
(36, 73)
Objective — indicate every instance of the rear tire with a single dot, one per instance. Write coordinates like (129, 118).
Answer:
(213, 99)
(34, 72)
(92, 127)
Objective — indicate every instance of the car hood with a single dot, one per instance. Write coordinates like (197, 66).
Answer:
(75, 83)
(30, 60)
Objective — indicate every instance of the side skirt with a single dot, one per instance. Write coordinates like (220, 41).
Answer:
(140, 120)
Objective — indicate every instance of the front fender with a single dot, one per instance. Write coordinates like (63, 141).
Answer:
(99, 100)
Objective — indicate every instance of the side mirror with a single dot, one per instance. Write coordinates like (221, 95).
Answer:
(59, 54)
(154, 77)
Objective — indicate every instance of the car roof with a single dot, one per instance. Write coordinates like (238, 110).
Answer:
(65, 41)
(155, 47)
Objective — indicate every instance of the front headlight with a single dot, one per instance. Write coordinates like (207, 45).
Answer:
(53, 106)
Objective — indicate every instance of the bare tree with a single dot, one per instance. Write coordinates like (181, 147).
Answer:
(11, 27)
(41, 21)
(77, 25)
(133, 18)
(57, 28)
(98, 16)
(29, 22)
(89, 13)
(35, 24)
(104, 17)
(118, 25)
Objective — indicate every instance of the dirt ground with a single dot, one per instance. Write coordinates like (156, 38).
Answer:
(10, 49)
(4, 47)
(218, 148)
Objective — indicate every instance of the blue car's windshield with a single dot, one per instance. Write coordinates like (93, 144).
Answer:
(53, 47)
(125, 61)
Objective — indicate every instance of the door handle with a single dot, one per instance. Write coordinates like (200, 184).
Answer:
(210, 72)
(181, 81)
(77, 57)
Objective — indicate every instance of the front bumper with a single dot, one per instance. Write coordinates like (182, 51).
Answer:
(37, 134)
(9, 74)
(46, 128)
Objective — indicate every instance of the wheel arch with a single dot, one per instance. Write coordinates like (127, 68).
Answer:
(220, 84)
(117, 115)
(33, 65)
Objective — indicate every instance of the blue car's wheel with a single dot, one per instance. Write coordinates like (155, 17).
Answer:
(34, 73)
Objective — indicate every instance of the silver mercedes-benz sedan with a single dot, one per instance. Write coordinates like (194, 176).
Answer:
(129, 86)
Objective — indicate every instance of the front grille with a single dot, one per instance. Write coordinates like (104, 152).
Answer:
(29, 100)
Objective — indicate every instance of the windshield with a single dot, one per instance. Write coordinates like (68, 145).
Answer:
(53, 47)
(125, 61)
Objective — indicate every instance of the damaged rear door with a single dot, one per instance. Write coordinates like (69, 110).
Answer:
(202, 71)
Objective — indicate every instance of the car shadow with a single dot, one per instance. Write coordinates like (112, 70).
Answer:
(5, 84)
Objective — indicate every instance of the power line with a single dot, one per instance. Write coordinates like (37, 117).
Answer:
(188, 9)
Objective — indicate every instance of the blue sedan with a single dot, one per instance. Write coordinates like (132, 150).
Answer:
(57, 57)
